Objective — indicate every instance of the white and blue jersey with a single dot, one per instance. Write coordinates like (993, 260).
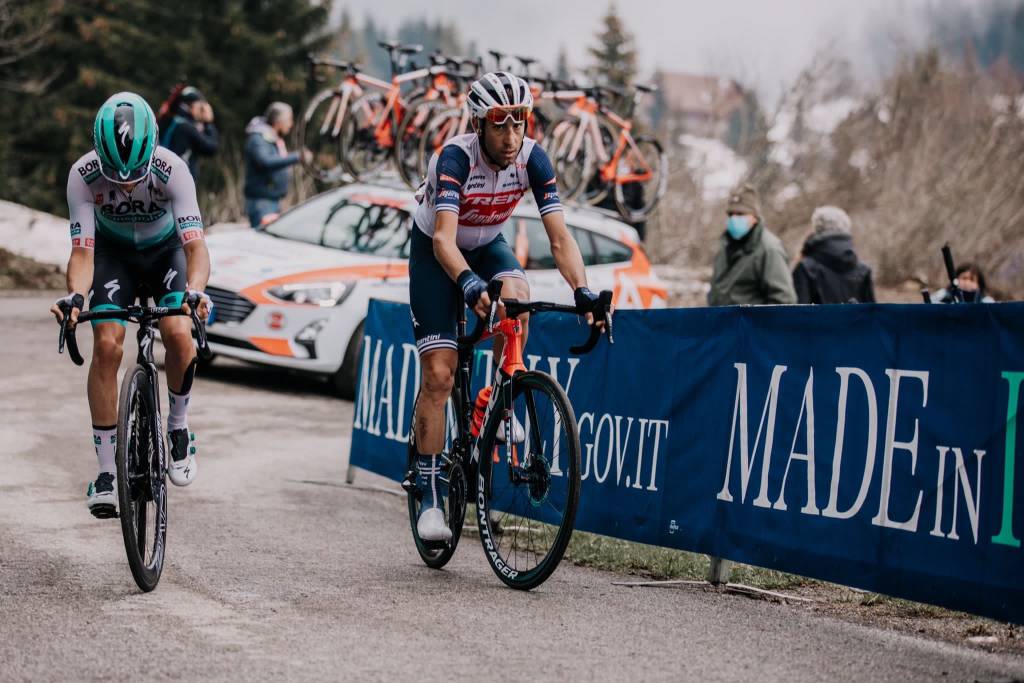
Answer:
(460, 181)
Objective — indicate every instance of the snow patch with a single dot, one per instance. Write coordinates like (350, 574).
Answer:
(716, 166)
(34, 234)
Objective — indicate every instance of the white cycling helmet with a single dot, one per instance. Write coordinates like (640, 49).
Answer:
(498, 90)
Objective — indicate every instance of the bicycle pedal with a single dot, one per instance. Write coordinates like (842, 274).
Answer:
(103, 511)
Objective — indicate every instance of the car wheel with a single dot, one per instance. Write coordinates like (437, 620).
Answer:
(346, 378)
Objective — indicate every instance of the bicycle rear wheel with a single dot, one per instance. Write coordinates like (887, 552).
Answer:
(365, 146)
(644, 168)
(435, 554)
(407, 144)
(141, 483)
(528, 492)
(441, 126)
(317, 134)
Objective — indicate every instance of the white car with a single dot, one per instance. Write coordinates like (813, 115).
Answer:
(294, 294)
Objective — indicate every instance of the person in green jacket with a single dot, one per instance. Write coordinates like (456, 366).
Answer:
(752, 266)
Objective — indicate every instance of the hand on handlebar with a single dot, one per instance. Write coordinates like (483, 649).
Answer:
(588, 301)
(72, 303)
(199, 300)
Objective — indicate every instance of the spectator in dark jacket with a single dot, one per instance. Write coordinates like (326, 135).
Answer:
(829, 271)
(267, 162)
(190, 133)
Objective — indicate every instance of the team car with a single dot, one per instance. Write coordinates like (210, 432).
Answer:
(295, 293)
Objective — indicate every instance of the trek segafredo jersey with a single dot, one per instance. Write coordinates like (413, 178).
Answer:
(458, 180)
(156, 208)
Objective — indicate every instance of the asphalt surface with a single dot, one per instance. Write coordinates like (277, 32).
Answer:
(277, 570)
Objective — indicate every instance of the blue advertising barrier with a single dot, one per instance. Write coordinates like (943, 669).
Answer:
(868, 445)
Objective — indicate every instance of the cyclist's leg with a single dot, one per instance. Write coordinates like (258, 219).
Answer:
(433, 299)
(112, 287)
(167, 269)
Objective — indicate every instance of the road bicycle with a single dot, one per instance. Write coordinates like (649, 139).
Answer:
(141, 452)
(525, 489)
(594, 153)
(351, 127)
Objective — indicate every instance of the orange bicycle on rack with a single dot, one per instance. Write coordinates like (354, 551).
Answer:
(352, 127)
(594, 152)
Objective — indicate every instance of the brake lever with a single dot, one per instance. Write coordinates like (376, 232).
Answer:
(200, 328)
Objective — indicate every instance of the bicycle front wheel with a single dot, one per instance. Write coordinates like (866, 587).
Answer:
(528, 484)
(641, 180)
(141, 478)
(368, 136)
(321, 134)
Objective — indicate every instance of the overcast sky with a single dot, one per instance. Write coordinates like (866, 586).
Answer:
(762, 42)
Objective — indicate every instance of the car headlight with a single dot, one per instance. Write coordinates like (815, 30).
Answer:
(324, 294)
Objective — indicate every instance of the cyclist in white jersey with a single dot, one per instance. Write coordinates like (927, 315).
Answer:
(473, 184)
(134, 221)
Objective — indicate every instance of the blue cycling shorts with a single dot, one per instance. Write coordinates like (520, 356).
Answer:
(433, 295)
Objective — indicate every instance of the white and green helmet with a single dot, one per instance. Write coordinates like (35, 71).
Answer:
(125, 135)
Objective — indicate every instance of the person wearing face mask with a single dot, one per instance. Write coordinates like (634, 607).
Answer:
(752, 266)
(971, 281)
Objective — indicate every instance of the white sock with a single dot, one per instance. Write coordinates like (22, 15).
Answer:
(177, 415)
(105, 441)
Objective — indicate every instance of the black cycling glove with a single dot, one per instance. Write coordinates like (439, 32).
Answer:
(472, 286)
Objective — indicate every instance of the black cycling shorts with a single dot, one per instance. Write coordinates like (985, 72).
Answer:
(433, 295)
(119, 270)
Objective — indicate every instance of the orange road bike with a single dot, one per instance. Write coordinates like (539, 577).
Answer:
(526, 488)
(594, 153)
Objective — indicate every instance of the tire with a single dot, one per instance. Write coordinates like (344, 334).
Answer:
(346, 379)
(326, 165)
(437, 554)
(439, 128)
(361, 151)
(596, 189)
(407, 147)
(140, 458)
(549, 492)
(651, 190)
(571, 172)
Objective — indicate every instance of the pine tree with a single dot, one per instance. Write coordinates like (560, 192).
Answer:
(562, 70)
(242, 54)
(614, 56)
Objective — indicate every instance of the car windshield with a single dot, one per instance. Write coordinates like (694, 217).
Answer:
(351, 223)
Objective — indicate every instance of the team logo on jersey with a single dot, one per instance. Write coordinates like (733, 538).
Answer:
(171, 274)
(112, 288)
(76, 228)
(162, 169)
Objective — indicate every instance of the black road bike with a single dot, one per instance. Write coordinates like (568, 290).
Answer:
(141, 452)
(525, 488)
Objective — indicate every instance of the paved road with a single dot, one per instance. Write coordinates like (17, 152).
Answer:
(275, 569)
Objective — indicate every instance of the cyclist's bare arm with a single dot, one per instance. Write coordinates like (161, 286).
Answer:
(449, 256)
(79, 278)
(564, 249)
(198, 274)
(83, 233)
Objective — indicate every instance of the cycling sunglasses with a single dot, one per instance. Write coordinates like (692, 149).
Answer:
(115, 176)
(501, 115)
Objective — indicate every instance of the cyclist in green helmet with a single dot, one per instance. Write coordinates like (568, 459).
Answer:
(134, 222)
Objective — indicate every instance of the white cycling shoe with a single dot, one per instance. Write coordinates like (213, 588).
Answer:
(182, 468)
(103, 496)
(431, 527)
